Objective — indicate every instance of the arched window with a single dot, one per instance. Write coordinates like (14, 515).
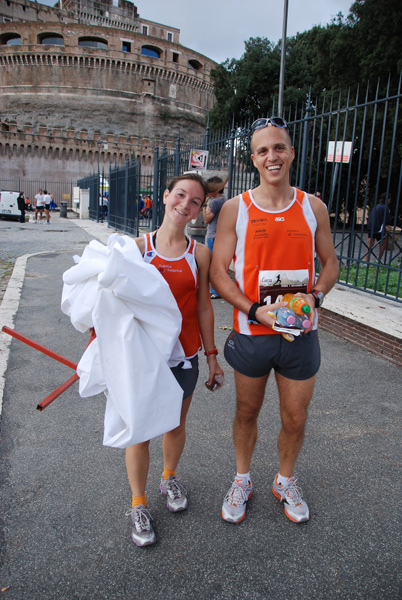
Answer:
(51, 39)
(195, 64)
(10, 39)
(93, 42)
(151, 51)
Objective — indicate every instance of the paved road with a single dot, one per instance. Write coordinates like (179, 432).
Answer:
(64, 534)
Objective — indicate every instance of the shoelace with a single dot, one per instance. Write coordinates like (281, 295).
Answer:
(292, 492)
(142, 518)
(175, 489)
(236, 496)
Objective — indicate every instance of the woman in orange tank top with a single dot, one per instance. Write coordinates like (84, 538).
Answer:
(185, 265)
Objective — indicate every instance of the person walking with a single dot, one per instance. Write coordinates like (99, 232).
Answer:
(273, 229)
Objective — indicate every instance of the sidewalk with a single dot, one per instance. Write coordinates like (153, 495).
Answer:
(63, 531)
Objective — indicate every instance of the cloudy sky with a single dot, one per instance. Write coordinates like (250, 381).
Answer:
(218, 28)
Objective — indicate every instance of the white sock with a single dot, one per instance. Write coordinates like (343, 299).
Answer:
(281, 479)
(243, 479)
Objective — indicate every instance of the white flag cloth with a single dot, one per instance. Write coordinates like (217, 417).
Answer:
(137, 324)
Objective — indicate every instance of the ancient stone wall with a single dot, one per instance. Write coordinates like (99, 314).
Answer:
(51, 84)
(66, 154)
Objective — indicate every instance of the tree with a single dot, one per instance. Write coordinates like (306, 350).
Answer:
(377, 30)
(362, 47)
(245, 87)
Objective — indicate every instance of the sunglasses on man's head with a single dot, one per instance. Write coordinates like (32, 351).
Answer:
(262, 123)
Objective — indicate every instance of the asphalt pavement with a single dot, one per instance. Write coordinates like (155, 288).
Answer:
(64, 534)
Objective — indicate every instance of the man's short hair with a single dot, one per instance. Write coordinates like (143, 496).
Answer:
(280, 128)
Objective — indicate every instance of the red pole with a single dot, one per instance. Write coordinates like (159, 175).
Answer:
(65, 361)
(26, 340)
(57, 392)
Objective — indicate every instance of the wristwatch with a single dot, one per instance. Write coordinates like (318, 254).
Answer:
(318, 297)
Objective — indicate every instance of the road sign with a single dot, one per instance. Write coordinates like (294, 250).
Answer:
(198, 160)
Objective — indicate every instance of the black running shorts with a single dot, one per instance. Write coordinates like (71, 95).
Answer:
(256, 355)
(187, 378)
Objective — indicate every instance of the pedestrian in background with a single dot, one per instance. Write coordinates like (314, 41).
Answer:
(211, 211)
(380, 217)
(47, 199)
(21, 206)
(39, 205)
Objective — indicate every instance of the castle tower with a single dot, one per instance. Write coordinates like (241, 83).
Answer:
(88, 80)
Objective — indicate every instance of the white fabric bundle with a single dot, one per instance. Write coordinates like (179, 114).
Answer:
(137, 324)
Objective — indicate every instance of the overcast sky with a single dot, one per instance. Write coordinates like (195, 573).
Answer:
(218, 28)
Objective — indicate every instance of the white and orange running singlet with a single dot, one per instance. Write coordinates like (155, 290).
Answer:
(181, 274)
(274, 254)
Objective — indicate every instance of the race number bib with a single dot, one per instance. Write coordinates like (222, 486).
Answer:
(272, 285)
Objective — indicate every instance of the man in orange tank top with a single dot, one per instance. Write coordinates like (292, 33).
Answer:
(272, 234)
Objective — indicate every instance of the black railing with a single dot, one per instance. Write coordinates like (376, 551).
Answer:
(350, 184)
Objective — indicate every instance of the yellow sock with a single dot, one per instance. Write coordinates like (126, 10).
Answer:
(167, 473)
(136, 500)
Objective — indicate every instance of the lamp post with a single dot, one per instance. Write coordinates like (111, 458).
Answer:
(283, 55)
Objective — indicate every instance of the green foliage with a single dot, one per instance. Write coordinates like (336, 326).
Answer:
(362, 47)
(375, 278)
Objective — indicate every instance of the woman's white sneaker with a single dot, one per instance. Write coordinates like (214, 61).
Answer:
(175, 492)
(142, 532)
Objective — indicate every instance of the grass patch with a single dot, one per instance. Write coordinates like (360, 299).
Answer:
(374, 277)
(6, 270)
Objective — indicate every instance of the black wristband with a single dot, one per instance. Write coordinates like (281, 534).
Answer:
(252, 311)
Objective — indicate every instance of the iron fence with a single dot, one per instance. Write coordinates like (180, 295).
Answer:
(366, 161)
(115, 197)
(350, 183)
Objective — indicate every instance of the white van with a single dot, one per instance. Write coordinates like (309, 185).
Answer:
(9, 205)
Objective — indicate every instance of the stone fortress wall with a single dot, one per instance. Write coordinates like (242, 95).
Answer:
(90, 81)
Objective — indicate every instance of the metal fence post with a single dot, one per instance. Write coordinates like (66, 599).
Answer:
(102, 191)
(125, 196)
(155, 191)
(207, 135)
(303, 166)
(231, 158)
(177, 157)
(97, 194)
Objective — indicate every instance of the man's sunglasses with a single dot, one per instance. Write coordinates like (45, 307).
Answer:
(262, 123)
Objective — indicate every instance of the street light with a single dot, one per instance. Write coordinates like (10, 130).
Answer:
(283, 54)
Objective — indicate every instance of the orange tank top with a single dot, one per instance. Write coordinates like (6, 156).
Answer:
(274, 254)
(181, 274)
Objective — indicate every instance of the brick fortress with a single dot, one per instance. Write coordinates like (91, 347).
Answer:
(88, 81)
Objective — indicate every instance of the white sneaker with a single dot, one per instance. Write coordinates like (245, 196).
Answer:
(234, 504)
(296, 508)
(176, 494)
(142, 532)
